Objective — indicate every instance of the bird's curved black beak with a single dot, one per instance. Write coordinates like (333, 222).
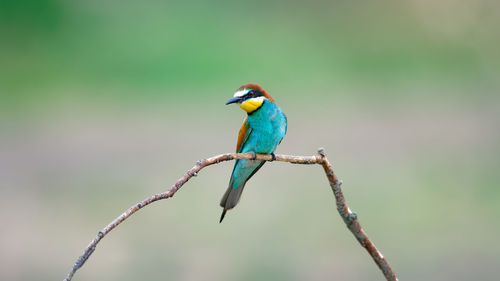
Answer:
(234, 99)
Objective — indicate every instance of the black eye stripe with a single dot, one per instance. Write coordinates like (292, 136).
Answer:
(253, 94)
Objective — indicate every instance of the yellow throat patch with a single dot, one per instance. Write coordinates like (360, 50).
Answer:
(251, 105)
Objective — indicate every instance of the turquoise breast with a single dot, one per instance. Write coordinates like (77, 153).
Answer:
(268, 125)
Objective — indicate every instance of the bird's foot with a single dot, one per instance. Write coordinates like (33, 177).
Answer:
(273, 156)
(254, 155)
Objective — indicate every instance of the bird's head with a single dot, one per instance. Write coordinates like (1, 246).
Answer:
(250, 97)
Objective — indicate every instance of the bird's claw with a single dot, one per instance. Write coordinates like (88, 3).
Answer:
(273, 156)
(254, 155)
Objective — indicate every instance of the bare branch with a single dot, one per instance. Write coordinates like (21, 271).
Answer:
(351, 219)
(347, 215)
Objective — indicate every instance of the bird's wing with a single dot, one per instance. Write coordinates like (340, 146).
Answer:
(243, 135)
(245, 131)
(286, 127)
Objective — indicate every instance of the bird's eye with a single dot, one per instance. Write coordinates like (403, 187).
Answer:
(250, 94)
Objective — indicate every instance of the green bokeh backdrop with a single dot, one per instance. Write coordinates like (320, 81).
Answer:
(103, 103)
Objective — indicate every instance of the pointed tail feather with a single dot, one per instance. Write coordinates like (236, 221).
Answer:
(232, 195)
(230, 199)
(223, 214)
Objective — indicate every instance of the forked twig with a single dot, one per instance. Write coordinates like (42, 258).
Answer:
(347, 215)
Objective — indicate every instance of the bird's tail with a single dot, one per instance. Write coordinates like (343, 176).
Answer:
(222, 215)
(230, 199)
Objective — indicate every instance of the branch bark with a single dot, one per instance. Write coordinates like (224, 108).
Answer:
(350, 218)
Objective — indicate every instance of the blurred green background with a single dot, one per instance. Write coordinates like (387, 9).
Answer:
(104, 103)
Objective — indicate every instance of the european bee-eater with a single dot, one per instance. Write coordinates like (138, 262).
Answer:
(263, 129)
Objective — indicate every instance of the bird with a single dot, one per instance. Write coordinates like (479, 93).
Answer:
(263, 129)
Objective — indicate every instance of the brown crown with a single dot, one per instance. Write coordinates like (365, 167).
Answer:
(256, 87)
